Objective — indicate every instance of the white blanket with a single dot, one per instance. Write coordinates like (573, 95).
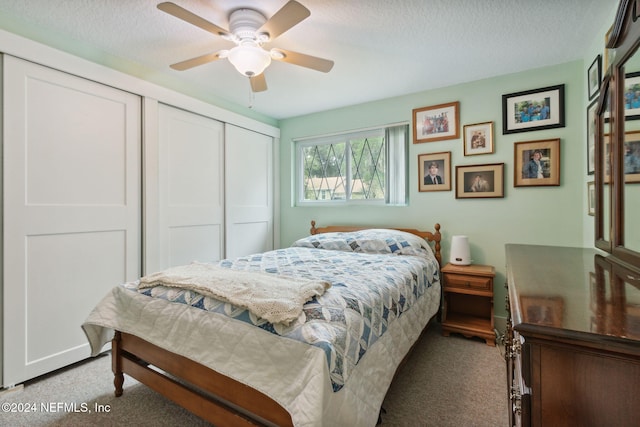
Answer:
(277, 299)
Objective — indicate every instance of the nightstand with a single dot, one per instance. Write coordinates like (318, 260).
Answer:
(468, 301)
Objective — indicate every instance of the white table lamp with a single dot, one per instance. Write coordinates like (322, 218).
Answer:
(460, 253)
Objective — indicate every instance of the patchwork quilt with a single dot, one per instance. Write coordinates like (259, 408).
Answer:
(335, 362)
(367, 293)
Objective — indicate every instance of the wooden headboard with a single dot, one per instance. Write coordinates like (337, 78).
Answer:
(427, 235)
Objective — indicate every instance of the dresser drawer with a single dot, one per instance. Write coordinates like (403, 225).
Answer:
(467, 282)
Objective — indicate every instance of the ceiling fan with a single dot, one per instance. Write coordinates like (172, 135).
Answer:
(250, 30)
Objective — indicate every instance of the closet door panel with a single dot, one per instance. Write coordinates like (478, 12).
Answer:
(191, 243)
(71, 214)
(249, 191)
(190, 206)
(85, 255)
(87, 167)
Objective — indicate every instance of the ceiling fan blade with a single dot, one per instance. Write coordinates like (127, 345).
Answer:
(287, 17)
(194, 62)
(258, 83)
(308, 61)
(191, 18)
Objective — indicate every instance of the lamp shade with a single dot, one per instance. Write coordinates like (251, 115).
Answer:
(460, 253)
(249, 60)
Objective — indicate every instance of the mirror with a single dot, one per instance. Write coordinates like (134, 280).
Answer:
(603, 169)
(630, 235)
(617, 162)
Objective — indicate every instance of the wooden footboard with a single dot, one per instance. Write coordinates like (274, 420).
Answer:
(203, 391)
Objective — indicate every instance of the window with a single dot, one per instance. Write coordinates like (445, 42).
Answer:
(364, 166)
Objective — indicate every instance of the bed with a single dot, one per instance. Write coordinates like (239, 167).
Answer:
(330, 365)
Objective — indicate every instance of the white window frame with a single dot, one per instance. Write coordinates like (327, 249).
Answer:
(396, 185)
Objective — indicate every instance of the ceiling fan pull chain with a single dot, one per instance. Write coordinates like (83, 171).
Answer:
(252, 98)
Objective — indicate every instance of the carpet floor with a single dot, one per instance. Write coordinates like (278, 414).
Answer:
(447, 381)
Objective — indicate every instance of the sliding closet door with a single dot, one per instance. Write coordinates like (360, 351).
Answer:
(249, 191)
(71, 214)
(185, 173)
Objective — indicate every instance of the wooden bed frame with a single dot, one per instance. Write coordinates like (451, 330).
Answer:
(201, 390)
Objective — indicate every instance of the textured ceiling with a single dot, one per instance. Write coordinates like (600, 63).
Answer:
(381, 48)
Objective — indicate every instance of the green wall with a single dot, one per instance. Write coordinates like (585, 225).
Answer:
(531, 215)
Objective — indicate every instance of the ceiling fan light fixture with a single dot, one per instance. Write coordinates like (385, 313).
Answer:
(250, 60)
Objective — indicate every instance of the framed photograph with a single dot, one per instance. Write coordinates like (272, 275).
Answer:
(546, 311)
(434, 171)
(591, 137)
(631, 157)
(594, 77)
(537, 163)
(591, 198)
(436, 123)
(480, 181)
(632, 96)
(533, 110)
(478, 139)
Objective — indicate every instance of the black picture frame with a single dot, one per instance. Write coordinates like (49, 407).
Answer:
(594, 77)
(524, 111)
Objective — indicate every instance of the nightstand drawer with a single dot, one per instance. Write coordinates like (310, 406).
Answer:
(467, 282)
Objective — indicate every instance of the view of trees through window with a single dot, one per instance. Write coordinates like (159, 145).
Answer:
(350, 170)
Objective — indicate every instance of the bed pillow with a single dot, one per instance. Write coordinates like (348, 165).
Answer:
(371, 241)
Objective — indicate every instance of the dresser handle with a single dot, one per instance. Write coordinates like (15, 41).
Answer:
(515, 348)
(516, 399)
(507, 353)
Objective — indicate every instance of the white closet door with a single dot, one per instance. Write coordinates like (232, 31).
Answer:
(190, 192)
(71, 180)
(249, 191)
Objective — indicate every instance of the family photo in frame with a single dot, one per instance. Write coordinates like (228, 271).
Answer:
(436, 123)
(533, 110)
(478, 139)
(632, 96)
(631, 157)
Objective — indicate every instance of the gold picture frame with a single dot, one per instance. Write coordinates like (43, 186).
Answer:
(480, 181)
(478, 139)
(632, 150)
(591, 198)
(434, 172)
(436, 123)
(537, 163)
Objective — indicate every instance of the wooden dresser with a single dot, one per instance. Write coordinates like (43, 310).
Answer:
(573, 338)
